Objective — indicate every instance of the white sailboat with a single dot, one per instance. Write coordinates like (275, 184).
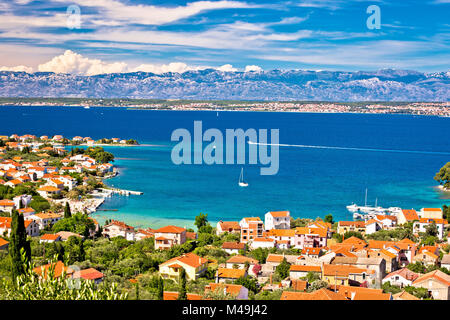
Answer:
(242, 183)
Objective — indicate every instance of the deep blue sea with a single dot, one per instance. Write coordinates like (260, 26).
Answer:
(405, 153)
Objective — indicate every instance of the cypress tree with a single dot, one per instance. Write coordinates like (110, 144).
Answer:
(19, 247)
(137, 290)
(160, 289)
(67, 212)
(182, 295)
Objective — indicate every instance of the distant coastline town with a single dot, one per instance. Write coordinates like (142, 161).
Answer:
(441, 109)
(47, 237)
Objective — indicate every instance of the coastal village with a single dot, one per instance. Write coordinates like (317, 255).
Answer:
(52, 186)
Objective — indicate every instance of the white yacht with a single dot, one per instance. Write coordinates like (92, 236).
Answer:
(242, 183)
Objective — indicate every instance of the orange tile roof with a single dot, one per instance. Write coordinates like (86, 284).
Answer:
(432, 249)
(388, 253)
(354, 240)
(168, 295)
(383, 217)
(6, 203)
(357, 224)
(371, 221)
(410, 215)
(404, 296)
(274, 258)
(189, 259)
(300, 268)
(91, 274)
(252, 219)
(233, 245)
(59, 267)
(431, 220)
(230, 273)
(242, 259)
(406, 240)
(281, 233)
(48, 189)
(299, 285)
(279, 214)
(233, 289)
(3, 242)
(170, 229)
(404, 273)
(341, 270)
(120, 224)
(315, 231)
(229, 225)
(259, 239)
(50, 236)
(322, 294)
(380, 244)
(48, 215)
(348, 290)
(432, 209)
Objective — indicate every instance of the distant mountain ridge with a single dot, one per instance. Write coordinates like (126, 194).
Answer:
(381, 85)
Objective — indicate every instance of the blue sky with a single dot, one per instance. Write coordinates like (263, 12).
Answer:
(158, 36)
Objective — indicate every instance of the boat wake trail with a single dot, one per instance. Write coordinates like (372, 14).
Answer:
(347, 148)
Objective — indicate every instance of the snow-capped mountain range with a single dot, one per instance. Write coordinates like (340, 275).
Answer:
(381, 85)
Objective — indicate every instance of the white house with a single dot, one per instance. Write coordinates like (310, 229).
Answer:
(118, 228)
(277, 220)
(387, 221)
(25, 199)
(168, 236)
(421, 225)
(373, 226)
(262, 242)
(402, 277)
(44, 219)
(233, 247)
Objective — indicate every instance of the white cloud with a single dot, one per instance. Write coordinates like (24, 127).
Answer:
(17, 69)
(71, 62)
(291, 20)
(154, 15)
(253, 68)
(227, 68)
(74, 63)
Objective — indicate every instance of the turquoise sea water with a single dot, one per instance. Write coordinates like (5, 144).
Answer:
(394, 156)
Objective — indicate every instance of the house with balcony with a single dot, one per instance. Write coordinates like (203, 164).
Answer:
(423, 223)
(44, 219)
(228, 226)
(167, 237)
(310, 237)
(194, 266)
(119, 228)
(277, 220)
(251, 228)
(356, 226)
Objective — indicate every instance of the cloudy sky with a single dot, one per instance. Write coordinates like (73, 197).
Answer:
(160, 36)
